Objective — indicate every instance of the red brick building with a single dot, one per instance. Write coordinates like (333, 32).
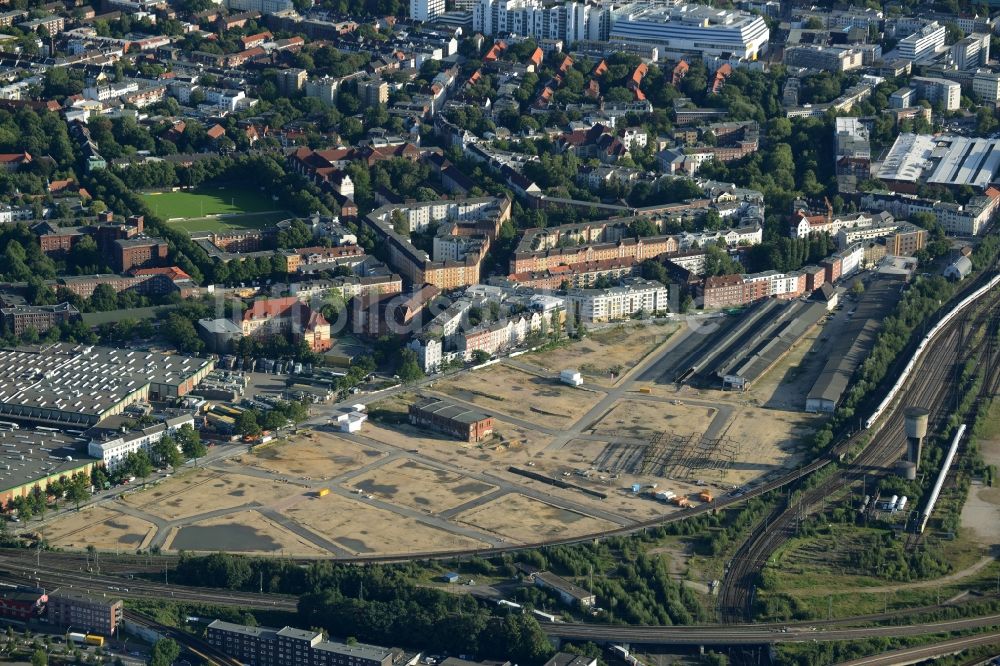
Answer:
(20, 318)
(22, 603)
(138, 252)
(461, 422)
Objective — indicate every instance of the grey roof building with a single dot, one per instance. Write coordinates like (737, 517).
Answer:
(264, 646)
(77, 386)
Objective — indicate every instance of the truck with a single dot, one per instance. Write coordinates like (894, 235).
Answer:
(682, 502)
(77, 638)
(665, 495)
(705, 496)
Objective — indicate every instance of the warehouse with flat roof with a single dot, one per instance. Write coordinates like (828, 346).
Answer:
(30, 458)
(946, 160)
(77, 386)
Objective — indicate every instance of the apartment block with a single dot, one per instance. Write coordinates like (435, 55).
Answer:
(84, 613)
(264, 646)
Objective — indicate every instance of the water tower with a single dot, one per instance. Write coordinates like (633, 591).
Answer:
(916, 430)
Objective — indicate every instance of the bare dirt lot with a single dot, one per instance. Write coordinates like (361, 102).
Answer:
(203, 490)
(528, 520)
(981, 512)
(364, 529)
(100, 527)
(603, 356)
(312, 455)
(501, 389)
(639, 418)
(246, 532)
(420, 486)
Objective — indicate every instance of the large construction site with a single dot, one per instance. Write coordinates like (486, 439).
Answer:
(658, 418)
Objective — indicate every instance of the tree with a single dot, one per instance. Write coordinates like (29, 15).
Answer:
(167, 453)
(164, 652)
(138, 464)
(191, 443)
(104, 298)
(39, 658)
(181, 332)
(480, 356)
(247, 425)
(77, 491)
(409, 369)
(858, 288)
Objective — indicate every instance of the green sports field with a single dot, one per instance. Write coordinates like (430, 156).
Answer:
(215, 209)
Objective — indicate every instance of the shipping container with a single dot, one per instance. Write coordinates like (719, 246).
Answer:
(94, 639)
(322, 492)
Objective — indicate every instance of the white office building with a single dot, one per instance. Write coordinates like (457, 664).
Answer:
(971, 52)
(922, 43)
(692, 29)
(986, 86)
(426, 10)
(112, 452)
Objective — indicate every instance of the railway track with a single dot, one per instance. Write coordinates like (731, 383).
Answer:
(202, 649)
(929, 387)
(52, 576)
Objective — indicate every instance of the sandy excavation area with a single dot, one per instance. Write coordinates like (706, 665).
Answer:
(527, 520)
(312, 455)
(603, 356)
(100, 527)
(500, 389)
(641, 418)
(420, 486)
(363, 529)
(201, 491)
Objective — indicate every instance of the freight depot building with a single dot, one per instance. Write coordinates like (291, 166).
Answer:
(78, 386)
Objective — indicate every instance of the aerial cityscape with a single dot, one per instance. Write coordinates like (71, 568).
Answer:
(499, 332)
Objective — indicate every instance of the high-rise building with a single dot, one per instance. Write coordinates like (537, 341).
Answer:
(971, 52)
(291, 80)
(945, 91)
(374, 92)
(986, 86)
(923, 43)
(426, 10)
(570, 22)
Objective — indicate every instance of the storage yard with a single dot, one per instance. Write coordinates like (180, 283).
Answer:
(508, 454)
